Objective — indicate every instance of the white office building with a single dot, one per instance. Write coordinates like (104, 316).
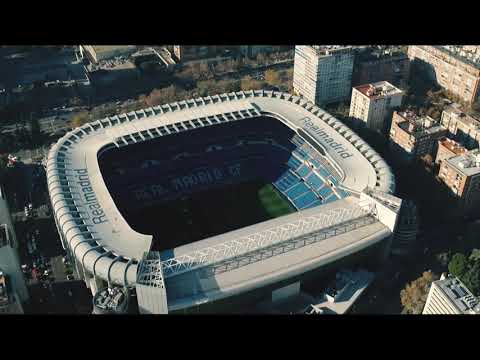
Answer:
(323, 74)
(449, 296)
(374, 104)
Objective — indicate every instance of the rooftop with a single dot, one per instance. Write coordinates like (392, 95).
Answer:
(112, 48)
(111, 299)
(459, 295)
(378, 90)
(469, 120)
(354, 284)
(468, 54)
(467, 163)
(417, 125)
(453, 146)
(327, 50)
(380, 53)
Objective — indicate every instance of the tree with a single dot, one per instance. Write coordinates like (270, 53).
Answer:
(458, 265)
(471, 278)
(271, 77)
(428, 160)
(247, 83)
(205, 87)
(205, 72)
(475, 255)
(79, 119)
(414, 296)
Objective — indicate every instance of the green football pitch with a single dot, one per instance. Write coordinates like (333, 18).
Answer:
(273, 203)
(209, 213)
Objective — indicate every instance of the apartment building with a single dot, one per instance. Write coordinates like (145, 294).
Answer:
(97, 53)
(194, 52)
(323, 74)
(373, 65)
(461, 127)
(449, 69)
(461, 174)
(449, 296)
(448, 148)
(413, 136)
(252, 51)
(374, 103)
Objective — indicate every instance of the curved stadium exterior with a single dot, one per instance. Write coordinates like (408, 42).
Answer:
(341, 188)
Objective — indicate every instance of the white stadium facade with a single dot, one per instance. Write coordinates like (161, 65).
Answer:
(362, 211)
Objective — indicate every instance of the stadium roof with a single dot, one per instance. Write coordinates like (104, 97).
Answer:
(89, 220)
(279, 261)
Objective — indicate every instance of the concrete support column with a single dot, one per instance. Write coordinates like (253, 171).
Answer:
(86, 278)
(97, 284)
(79, 271)
(386, 248)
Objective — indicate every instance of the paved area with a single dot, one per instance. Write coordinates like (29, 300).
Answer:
(65, 297)
(58, 268)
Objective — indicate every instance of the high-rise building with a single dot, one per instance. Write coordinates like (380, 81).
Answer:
(449, 296)
(461, 174)
(381, 64)
(413, 136)
(448, 148)
(323, 74)
(462, 127)
(449, 69)
(374, 103)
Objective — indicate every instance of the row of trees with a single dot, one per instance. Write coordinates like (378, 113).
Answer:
(207, 71)
(211, 87)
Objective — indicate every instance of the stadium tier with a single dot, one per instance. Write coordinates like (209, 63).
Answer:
(153, 200)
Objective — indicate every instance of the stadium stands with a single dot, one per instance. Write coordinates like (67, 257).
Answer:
(297, 190)
(263, 149)
(314, 181)
(304, 200)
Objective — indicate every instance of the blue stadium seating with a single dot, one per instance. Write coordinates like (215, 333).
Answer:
(330, 198)
(333, 180)
(325, 192)
(303, 171)
(314, 181)
(315, 163)
(304, 200)
(324, 173)
(301, 154)
(286, 181)
(313, 204)
(343, 193)
(297, 190)
(294, 163)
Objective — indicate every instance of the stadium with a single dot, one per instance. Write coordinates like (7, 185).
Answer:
(194, 203)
